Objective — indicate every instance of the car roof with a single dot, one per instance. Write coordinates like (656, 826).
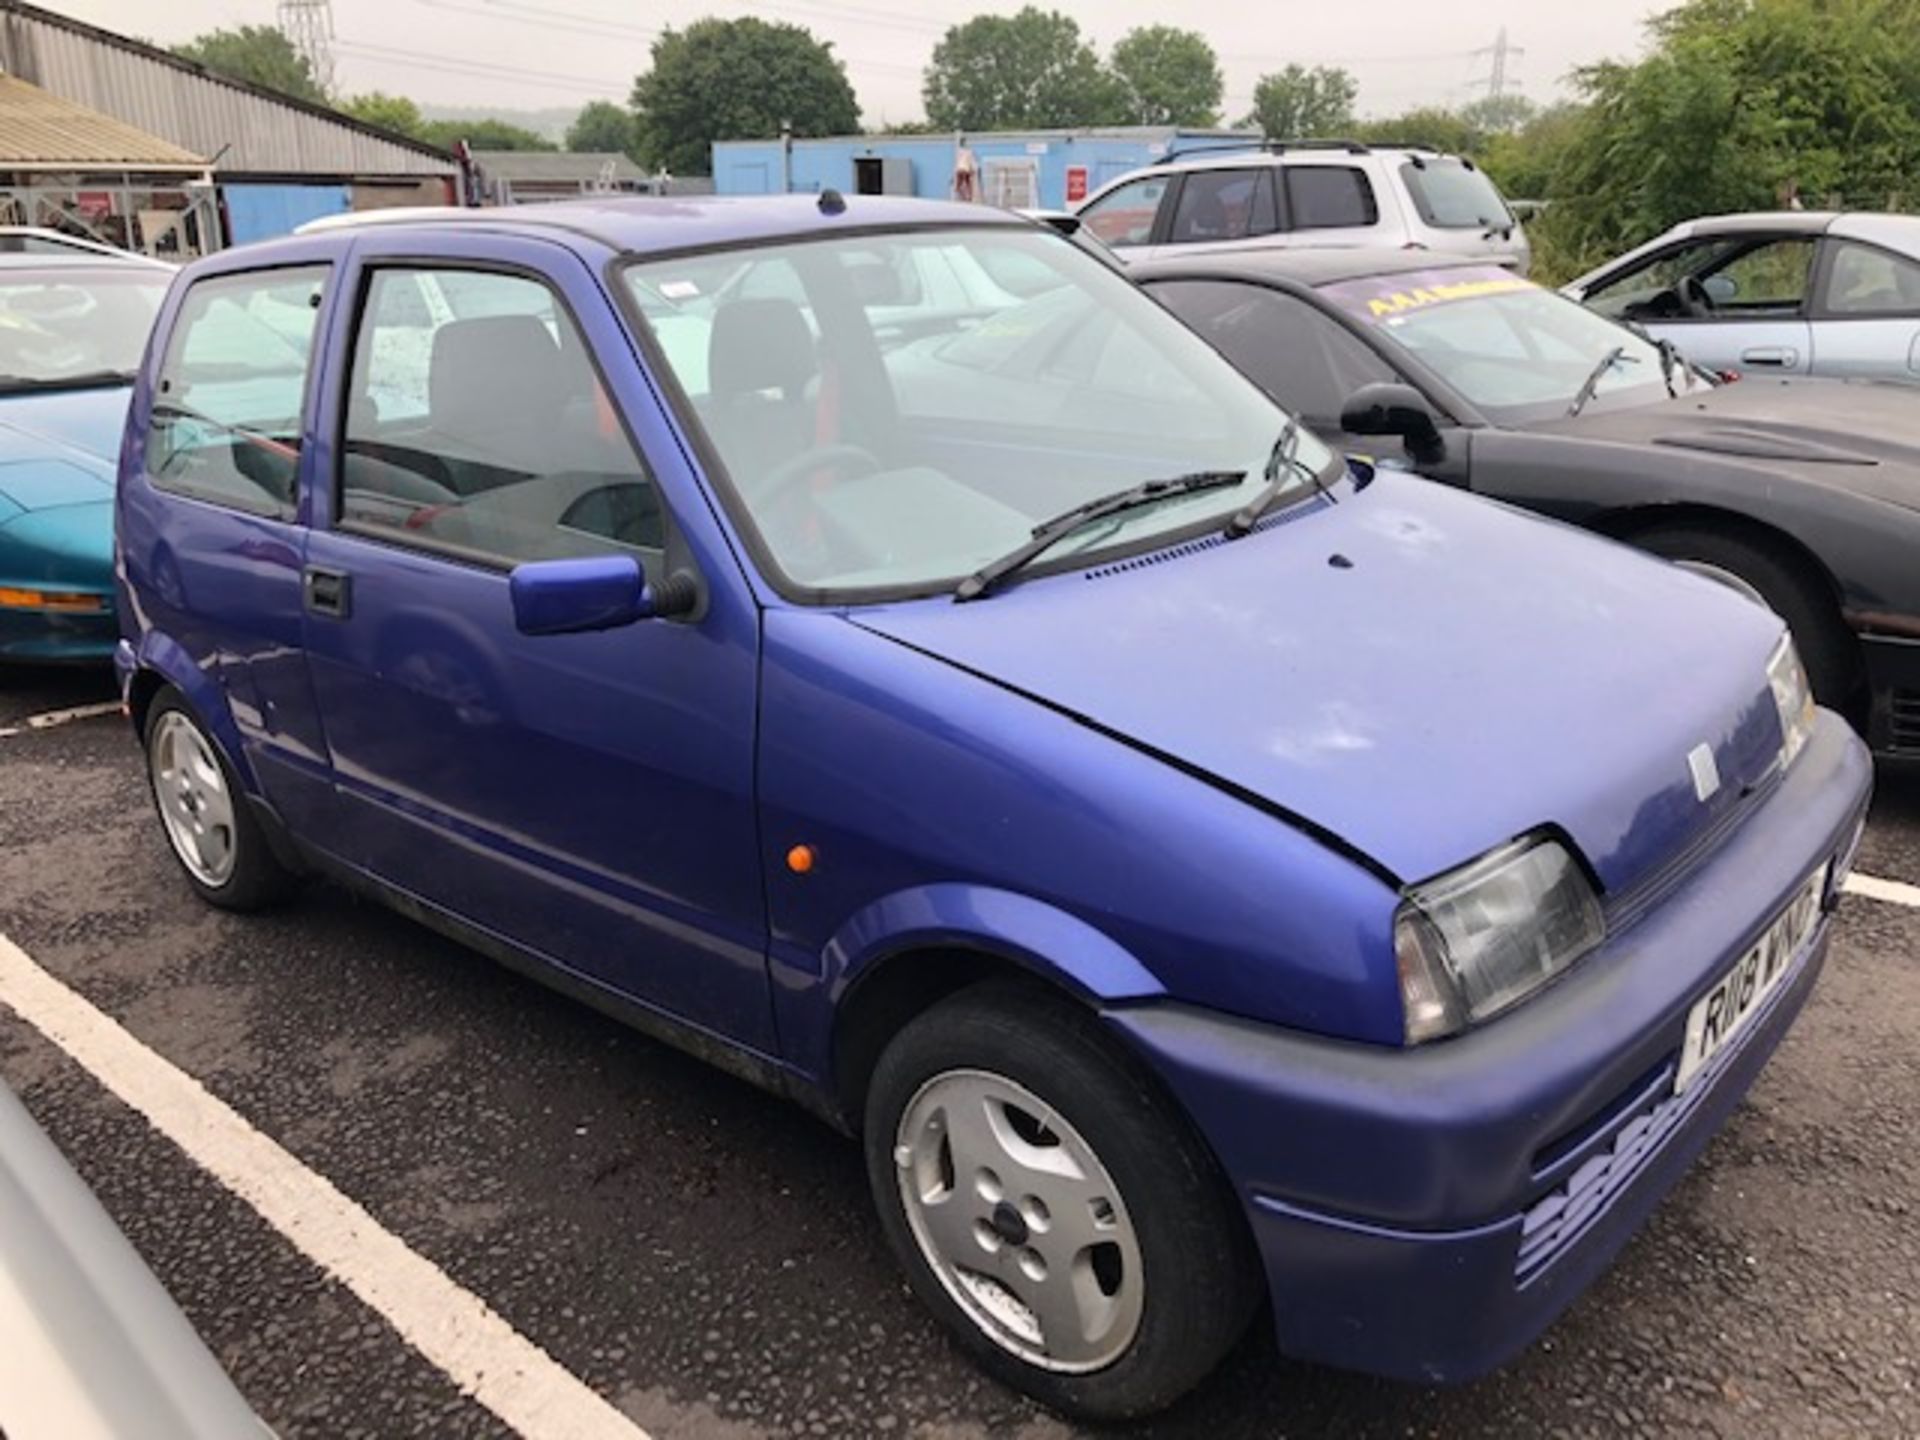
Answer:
(645, 224)
(1784, 222)
(1303, 266)
(82, 262)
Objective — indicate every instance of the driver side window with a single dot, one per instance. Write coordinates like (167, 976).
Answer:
(1735, 277)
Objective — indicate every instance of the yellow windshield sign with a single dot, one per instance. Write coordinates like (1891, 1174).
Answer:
(1420, 297)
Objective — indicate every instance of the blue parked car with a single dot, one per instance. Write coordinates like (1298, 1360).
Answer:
(71, 332)
(1206, 874)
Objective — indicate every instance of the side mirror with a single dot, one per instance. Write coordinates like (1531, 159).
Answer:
(595, 592)
(1399, 410)
(1722, 288)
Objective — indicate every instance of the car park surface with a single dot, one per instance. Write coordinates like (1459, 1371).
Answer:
(1783, 293)
(1804, 495)
(697, 1253)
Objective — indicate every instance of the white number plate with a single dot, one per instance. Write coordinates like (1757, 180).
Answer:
(1723, 1012)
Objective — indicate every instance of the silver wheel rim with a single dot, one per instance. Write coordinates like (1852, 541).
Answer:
(1727, 578)
(195, 806)
(1020, 1220)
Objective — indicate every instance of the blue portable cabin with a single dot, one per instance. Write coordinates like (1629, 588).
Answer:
(1049, 169)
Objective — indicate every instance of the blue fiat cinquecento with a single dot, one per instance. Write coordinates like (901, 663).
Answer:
(874, 645)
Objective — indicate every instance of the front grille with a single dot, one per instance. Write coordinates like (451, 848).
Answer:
(1905, 737)
(1554, 1224)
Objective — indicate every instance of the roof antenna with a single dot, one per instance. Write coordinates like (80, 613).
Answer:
(832, 202)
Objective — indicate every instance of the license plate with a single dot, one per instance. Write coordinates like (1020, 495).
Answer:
(1723, 1012)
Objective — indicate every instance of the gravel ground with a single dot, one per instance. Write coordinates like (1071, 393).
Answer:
(703, 1256)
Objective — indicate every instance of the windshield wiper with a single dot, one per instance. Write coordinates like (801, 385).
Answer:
(1051, 532)
(1283, 462)
(1670, 365)
(1592, 383)
(85, 380)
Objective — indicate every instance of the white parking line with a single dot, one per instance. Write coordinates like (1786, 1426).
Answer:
(1894, 892)
(451, 1327)
(61, 717)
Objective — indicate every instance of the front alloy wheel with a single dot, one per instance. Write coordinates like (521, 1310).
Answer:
(196, 808)
(1053, 1206)
(1019, 1220)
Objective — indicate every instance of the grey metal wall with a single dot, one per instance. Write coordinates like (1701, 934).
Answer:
(259, 135)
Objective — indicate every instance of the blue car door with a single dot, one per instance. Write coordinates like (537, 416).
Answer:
(226, 462)
(587, 797)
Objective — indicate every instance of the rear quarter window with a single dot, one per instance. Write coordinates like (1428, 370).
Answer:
(1452, 196)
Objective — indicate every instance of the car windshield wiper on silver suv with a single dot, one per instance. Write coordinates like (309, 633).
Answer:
(1050, 533)
(1592, 383)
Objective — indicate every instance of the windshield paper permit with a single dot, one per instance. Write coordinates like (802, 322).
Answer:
(1385, 298)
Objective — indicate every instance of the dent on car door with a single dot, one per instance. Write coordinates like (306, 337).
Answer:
(586, 797)
(1867, 313)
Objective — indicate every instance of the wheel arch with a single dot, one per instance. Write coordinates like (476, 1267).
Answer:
(1631, 523)
(161, 662)
(907, 953)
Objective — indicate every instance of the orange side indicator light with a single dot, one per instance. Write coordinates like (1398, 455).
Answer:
(800, 859)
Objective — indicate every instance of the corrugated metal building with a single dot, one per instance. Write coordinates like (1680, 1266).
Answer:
(276, 161)
(1046, 168)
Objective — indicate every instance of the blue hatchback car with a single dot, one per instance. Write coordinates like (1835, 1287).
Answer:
(1207, 875)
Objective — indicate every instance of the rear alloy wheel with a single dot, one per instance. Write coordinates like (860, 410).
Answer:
(1053, 1207)
(204, 813)
(1827, 648)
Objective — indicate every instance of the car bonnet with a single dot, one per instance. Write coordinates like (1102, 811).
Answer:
(1416, 672)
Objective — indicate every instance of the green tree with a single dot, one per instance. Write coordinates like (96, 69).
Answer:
(1168, 76)
(482, 135)
(1028, 71)
(1298, 103)
(1492, 115)
(258, 55)
(602, 127)
(389, 112)
(1447, 130)
(1739, 103)
(736, 80)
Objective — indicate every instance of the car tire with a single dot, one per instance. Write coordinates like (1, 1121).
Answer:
(1142, 1266)
(204, 814)
(1829, 651)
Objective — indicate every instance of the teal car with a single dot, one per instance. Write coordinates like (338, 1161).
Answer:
(72, 332)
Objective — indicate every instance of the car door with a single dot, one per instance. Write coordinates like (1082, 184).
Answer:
(209, 527)
(1128, 216)
(1866, 313)
(1305, 359)
(587, 798)
(1326, 203)
(1734, 304)
(1223, 209)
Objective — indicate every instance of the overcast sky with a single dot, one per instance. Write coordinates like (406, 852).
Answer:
(535, 54)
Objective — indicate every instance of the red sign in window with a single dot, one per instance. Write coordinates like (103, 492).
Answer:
(1076, 184)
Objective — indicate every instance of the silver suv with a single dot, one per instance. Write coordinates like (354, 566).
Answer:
(1308, 192)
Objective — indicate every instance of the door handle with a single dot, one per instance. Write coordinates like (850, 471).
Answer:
(326, 592)
(1779, 356)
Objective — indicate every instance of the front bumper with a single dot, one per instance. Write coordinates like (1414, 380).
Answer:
(53, 637)
(1424, 1214)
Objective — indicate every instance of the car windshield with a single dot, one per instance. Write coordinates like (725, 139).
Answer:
(894, 411)
(78, 323)
(1520, 354)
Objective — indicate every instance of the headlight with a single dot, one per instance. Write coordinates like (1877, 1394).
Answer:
(1489, 934)
(1794, 697)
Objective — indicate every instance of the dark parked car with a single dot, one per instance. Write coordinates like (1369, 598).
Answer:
(1054, 795)
(1803, 495)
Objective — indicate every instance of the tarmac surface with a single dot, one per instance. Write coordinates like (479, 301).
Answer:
(702, 1255)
